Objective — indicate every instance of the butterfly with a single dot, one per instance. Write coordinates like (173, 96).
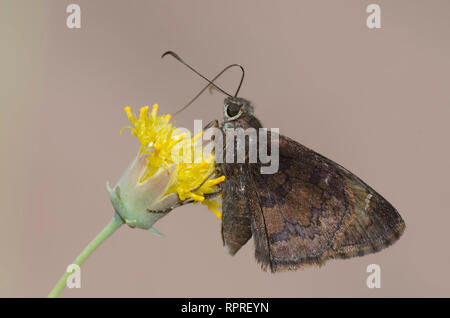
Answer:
(309, 211)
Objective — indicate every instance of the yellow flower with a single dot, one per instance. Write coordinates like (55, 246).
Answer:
(164, 173)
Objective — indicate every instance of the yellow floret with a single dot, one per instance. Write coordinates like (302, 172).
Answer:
(158, 138)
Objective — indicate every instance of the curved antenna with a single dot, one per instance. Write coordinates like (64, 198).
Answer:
(173, 54)
(206, 87)
(242, 78)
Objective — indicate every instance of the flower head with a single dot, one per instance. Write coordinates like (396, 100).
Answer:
(164, 173)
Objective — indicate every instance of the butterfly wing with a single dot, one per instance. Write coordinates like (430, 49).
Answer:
(236, 210)
(313, 209)
(236, 213)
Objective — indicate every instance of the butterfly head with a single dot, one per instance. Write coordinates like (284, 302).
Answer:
(236, 107)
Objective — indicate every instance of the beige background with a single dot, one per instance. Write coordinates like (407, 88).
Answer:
(376, 101)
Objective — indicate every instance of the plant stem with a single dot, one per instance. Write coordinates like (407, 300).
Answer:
(109, 229)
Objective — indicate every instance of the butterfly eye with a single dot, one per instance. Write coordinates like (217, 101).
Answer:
(233, 109)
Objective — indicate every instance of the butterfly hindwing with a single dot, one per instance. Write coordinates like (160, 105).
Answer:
(312, 210)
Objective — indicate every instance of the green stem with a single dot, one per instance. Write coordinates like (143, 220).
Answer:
(109, 229)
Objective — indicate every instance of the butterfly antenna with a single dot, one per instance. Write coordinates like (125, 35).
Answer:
(173, 54)
(242, 78)
(206, 87)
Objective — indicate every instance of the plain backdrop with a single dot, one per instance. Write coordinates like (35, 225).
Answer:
(376, 101)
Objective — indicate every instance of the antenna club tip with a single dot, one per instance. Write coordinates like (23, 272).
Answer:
(167, 53)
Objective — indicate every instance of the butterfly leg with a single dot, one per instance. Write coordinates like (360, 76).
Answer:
(206, 179)
(212, 195)
(214, 123)
(181, 203)
(211, 124)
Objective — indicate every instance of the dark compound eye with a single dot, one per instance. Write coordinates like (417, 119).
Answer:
(233, 109)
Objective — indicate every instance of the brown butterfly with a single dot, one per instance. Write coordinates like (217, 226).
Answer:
(310, 210)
